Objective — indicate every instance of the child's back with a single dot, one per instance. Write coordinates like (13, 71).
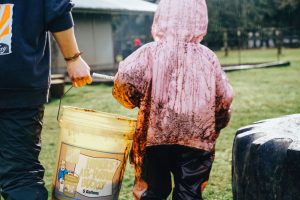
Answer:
(178, 84)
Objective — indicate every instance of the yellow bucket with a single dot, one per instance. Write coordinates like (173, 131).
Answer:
(92, 154)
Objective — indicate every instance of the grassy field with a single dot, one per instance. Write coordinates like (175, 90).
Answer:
(259, 94)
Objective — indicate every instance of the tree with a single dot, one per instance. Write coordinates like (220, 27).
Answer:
(289, 12)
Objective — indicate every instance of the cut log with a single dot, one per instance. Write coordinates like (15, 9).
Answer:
(229, 68)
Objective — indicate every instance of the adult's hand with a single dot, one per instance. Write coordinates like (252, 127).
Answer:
(79, 72)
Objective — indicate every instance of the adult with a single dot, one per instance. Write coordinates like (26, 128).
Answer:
(24, 87)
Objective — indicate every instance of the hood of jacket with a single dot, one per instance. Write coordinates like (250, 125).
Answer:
(182, 20)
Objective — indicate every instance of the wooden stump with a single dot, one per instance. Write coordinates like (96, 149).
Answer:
(266, 160)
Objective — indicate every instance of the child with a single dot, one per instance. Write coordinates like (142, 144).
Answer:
(184, 100)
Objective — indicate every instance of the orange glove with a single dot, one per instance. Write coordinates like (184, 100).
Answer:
(79, 72)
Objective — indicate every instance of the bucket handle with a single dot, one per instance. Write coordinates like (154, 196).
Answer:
(95, 75)
(60, 101)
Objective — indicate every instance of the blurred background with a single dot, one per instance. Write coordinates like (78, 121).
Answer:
(108, 32)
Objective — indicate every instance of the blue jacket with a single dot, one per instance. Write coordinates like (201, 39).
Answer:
(24, 48)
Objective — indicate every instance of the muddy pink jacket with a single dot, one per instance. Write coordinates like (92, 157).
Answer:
(176, 82)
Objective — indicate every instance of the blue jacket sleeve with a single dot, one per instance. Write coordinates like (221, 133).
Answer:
(58, 15)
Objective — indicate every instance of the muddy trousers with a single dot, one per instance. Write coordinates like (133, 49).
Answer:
(190, 168)
(21, 174)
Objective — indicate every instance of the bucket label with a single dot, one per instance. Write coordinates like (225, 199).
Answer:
(87, 174)
(96, 175)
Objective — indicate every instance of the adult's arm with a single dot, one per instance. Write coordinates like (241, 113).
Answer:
(78, 70)
(59, 22)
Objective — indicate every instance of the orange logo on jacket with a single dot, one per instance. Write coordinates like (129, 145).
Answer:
(6, 14)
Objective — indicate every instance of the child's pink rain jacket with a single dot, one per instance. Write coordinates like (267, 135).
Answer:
(183, 95)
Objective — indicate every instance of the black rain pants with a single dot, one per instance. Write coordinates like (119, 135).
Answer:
(190, 168)
(21, 173)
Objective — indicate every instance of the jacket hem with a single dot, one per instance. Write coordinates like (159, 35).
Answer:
(23, 98)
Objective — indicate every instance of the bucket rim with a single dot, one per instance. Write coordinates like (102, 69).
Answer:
(85, 110)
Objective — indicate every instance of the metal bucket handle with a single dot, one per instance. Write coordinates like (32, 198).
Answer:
(95, 75)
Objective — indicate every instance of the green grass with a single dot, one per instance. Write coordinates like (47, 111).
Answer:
(259, 94)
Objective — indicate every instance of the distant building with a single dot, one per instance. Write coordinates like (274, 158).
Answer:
(94, 31)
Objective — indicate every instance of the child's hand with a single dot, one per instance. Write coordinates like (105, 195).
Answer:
(222, 119)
